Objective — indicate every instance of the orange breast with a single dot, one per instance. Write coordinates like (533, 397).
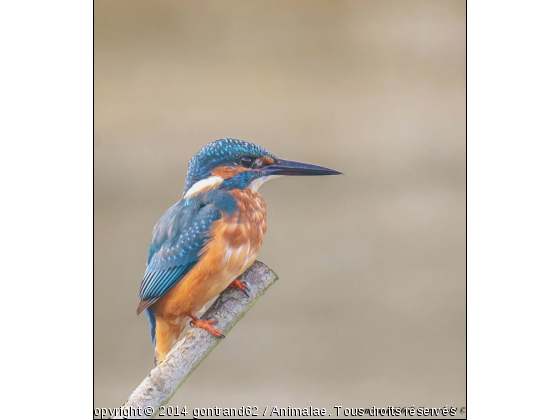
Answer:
(233, 246)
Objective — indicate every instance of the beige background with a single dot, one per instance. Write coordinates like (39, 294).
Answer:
(370, 306)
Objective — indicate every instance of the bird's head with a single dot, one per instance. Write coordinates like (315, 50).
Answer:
(235, 164)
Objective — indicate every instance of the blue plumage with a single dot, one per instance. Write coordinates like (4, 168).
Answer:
(151, 317)
(178, 239)
(241, 181)
(224, 152)
(181, 233)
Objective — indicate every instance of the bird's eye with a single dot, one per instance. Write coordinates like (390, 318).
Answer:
(246, 161)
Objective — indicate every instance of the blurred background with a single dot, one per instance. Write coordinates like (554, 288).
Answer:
(370, 306)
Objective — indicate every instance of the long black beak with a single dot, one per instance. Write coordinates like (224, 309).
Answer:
(289, 167)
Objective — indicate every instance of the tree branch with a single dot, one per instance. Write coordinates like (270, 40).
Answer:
(166, 378)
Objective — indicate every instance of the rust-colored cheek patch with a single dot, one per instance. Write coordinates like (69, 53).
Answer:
(227, 172)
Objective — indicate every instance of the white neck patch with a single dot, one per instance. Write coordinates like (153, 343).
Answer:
(256, 184)
(204, 185)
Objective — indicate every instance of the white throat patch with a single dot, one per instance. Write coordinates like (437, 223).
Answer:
(256, 184)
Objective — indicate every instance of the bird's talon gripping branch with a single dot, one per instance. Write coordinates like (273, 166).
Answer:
(206, 325)
(236, 284)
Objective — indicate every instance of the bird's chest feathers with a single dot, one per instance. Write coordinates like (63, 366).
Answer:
(237, 238)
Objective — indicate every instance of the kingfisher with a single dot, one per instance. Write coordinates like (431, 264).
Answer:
(205, 241)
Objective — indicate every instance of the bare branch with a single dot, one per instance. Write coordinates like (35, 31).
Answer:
(166, 378)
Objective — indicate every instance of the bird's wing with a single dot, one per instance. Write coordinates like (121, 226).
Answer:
(178, 240)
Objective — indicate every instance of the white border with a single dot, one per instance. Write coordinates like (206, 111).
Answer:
(47, 201)
(513, 208)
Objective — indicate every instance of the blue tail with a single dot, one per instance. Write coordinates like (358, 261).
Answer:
(152, 319)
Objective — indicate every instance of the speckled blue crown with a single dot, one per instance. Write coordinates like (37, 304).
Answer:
(220, 153)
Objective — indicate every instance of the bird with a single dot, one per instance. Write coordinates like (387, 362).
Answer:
(203, 243)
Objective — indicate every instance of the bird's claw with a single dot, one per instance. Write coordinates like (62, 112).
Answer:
(206, 325)
(239, 285)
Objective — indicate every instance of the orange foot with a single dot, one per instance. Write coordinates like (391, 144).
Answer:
(206, 325)
(240, 286)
